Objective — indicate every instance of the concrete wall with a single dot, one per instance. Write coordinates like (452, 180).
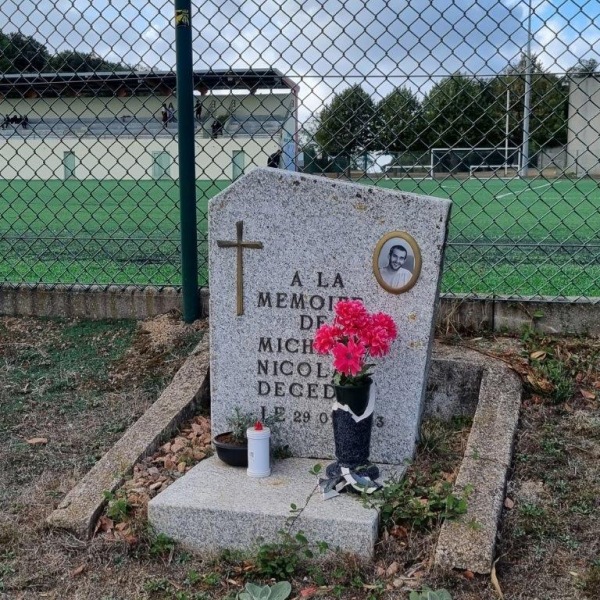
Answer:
(556, 158)
(468, 315)
(583, 142)
(126, 157)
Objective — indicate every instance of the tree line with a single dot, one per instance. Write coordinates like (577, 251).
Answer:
(24, 54)
(458, 111)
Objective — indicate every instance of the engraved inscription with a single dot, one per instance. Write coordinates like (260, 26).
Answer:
(283, 371)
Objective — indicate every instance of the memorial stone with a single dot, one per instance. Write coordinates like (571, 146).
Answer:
(283, 249)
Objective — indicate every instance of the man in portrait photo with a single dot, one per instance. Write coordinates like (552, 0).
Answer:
(393, 273)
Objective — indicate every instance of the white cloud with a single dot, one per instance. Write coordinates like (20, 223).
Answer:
(325, 45)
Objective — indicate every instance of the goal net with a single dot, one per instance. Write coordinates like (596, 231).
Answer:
(480, 162)
(408, 164)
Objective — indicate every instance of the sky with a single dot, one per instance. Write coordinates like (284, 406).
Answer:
(325, 45)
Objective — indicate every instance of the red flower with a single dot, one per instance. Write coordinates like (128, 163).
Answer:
(377, 341)
(347, 358)
(354, 336)
(385, 321)
(325, 338)
(351, 316)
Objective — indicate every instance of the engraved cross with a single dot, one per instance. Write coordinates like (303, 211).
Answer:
(240, 245)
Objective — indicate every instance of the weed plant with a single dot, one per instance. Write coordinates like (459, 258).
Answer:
(281, 559)
(417, 502)
(560, 377)
(118, 506)
(591, 580)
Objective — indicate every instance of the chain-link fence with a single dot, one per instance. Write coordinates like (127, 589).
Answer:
(495, 105)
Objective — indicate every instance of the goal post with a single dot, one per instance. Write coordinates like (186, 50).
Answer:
(468, 161)
(409, 163)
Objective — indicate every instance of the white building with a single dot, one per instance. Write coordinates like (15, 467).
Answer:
(583, 141)
(110, 125)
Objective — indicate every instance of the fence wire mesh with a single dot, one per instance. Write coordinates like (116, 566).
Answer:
(494, 104)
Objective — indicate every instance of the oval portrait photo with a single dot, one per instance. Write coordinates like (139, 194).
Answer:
(397, 262)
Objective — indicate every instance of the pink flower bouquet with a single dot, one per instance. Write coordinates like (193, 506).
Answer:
(352, 339)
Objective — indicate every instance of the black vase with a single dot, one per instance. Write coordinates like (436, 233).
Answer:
(352, 439)
(356, 397)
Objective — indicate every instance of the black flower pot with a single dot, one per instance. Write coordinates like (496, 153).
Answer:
(352, 440)
(356, 397)
(230, 453)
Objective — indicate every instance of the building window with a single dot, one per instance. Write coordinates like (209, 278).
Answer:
(237, 164)
(69, 164)
(161, 165)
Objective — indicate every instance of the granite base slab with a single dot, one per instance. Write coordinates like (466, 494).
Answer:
(215, 506)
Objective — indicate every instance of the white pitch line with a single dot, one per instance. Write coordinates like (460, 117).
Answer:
(539, 187)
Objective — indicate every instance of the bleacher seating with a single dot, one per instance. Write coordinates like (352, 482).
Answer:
(112, 127)
(129, 126)
(255, 125)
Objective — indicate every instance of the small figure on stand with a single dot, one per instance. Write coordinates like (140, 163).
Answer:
(217, 128)
(274, 160)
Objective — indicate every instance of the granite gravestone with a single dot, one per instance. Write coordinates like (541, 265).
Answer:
(283, 249)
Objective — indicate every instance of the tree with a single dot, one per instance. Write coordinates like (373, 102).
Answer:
(549, 103)
(24, 54)
(456, 113)
(585, 66)
(5, 64)
(399, 125)
(21, 54)
(345, 127)
(73, 61)
(307, 133)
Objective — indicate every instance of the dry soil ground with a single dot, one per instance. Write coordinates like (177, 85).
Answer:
(68, 389)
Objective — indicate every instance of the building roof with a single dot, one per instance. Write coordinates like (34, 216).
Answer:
(136, 83)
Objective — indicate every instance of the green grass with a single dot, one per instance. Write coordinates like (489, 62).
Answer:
(56, 371)
(96, 231)
(61, 362)
(514, 237)
(505, 236)
(542, 211)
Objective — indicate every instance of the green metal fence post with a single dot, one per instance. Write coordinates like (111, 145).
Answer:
(187, 159)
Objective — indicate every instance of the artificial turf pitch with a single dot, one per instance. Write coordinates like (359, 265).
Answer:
(506, 237)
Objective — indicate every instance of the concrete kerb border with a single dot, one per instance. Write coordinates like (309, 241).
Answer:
(92, 301)
(485, 464)
(456, 312)
(468, 543)
(565, 315)
(82, 506)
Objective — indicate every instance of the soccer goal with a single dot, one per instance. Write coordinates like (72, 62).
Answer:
(414, 171)
(408, 164)
(479, 162)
